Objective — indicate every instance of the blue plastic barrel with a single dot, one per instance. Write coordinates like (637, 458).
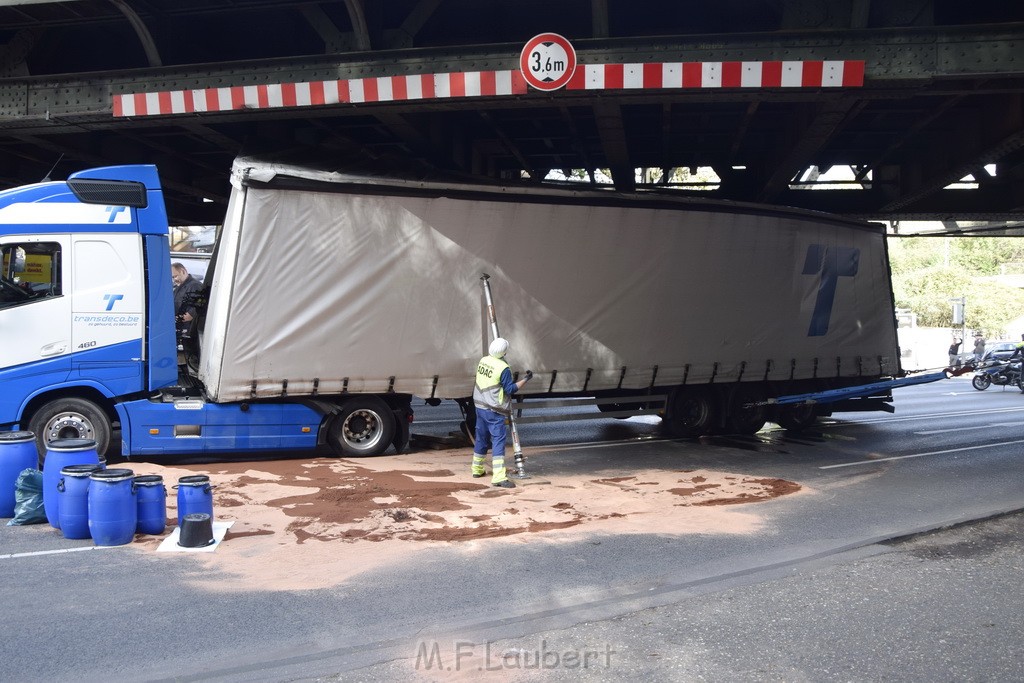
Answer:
(195, 495)
(113, 510)
(152, 504)
(59, 454)
(17, 453)
(73, 492)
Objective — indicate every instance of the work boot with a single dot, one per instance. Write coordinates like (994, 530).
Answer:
(477, 476)
(505, 484)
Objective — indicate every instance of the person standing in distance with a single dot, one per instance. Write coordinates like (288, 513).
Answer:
(492, 396)
(979, 346)
(954, 352)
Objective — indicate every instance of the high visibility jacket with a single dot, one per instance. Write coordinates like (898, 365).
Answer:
(488, 392)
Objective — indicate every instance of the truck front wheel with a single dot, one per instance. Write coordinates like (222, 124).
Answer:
(71, 418)
(365, 426)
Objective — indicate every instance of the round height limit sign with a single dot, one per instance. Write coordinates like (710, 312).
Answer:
(547, 61)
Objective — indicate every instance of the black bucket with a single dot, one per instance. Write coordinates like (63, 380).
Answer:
(196, 531)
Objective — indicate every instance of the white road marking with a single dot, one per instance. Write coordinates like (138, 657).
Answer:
(921, 455)
(37, 553)
(967, 429)
(930, 416)
(604, 444)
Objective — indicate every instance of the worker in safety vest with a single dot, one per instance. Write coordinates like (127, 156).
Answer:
(492, 395)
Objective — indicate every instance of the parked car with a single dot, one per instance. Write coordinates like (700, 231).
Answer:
(999, 350)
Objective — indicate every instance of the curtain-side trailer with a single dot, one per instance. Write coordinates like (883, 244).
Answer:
(334, 299)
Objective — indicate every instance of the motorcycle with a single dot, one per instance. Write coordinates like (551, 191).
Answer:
(999, 373)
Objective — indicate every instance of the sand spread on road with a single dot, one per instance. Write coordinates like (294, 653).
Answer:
(314, 523)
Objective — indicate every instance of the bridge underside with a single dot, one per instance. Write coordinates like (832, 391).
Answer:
(934, 132)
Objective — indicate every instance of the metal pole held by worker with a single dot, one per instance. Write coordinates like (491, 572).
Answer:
(517, 450)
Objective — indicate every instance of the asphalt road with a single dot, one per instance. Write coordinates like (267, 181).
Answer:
(943, 606)
(819, 594)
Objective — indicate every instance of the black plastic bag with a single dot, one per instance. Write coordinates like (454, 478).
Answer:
(28, 499)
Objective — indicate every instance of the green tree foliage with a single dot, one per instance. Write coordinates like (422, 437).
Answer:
(927, 272)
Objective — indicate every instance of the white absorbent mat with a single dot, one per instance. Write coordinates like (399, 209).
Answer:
(170, 544)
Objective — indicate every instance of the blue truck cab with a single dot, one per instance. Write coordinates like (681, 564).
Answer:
(87, 327)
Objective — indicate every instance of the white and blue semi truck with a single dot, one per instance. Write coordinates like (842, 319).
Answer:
(334, 300)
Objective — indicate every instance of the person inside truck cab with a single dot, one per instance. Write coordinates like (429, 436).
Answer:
(186, 289)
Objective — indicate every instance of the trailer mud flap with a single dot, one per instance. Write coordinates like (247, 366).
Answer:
(402, 436)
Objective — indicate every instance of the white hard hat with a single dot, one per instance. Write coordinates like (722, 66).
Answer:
(498, 348)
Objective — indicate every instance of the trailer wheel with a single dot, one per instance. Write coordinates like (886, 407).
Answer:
(796, 417)
(691, 412)
(365, 426)
(70, 418)
(743, 418)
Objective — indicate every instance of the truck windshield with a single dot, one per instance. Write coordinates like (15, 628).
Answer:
(29, 272)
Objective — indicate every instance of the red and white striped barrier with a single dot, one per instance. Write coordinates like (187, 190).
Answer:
(652, 76)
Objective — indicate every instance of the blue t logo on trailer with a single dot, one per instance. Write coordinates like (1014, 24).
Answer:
(832, 263)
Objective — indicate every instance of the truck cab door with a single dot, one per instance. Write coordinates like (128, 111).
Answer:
(35, 318)
(108, 311)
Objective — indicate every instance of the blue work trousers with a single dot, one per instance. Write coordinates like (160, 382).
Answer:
(490, 433)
